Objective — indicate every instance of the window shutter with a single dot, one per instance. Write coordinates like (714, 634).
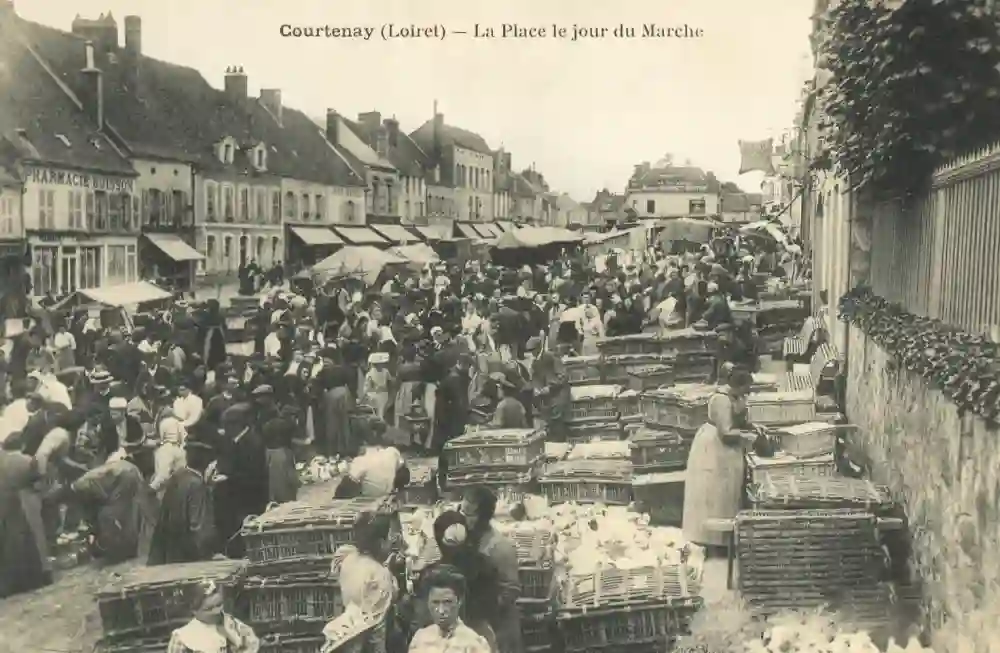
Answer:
(144, 215)
(167, 212)
(90, 211)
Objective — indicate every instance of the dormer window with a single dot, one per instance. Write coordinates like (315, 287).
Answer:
(260, 157)
(227, 156)
(226, 150)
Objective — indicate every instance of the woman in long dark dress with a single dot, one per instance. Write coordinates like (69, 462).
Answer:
(243, 461)
(21, 567)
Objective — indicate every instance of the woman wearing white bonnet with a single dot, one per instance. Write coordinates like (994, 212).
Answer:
(169, 457)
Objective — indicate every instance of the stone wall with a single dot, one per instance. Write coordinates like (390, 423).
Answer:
(946, 470)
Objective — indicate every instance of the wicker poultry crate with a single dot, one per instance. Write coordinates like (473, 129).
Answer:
(492, 446)
(600, 450)
(509, 485)
(869, 608)
(637, 343)
(686, 341)
(618, 368)
(683, 406)
(594, 430)
(298, 530)
(588, 481)
(807, 440)
(303, 600)
(582, 370)
(292, 643)
(629, 405)
(651, 377)
(661, 496)
(780, 466)
(807, 549)
(658, 450)
(537, 583)
(773, 408)
(539, 632)
(653, 623)
(594, 401)
(152, 601)
(819, 493)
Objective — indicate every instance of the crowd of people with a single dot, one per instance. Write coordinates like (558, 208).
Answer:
(159, 444)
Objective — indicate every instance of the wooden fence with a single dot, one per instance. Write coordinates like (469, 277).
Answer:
(939, 255)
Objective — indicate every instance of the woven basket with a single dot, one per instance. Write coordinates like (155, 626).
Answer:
(539, 632)
(772, 408)
(651, 378)
(629, 405)
(683, 406)
(305, 599)
(537, 583)
(582, 370)
(819, 493)
(299, 530)
(588, 481)
(510, 486)
(491, 446)
(820, 550)
(618, 368)
(658, 450)
(761, 469)
(636, 626)
(152, 601)
(594, 402)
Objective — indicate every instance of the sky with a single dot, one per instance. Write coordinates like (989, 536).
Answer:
(582, 112)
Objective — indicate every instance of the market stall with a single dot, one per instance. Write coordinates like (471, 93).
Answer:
(363, 262)
(116, 305)
(419, 254)
(531, 245)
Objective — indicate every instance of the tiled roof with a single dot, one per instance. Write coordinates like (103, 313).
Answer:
(687, 174)
(177, 114)
(368, 138)
(34, 102)
(424, 137)
(522, 187)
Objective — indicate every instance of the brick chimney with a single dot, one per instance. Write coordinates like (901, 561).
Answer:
(92, 91)
(236, 83)
(392, 129)
(271, 99)
(370, 121)
(133, 52)
(332, 126)
(101, 31)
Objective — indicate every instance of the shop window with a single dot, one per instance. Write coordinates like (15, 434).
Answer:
(90, 267)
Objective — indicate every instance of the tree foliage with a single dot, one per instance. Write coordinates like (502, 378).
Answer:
(913, 84)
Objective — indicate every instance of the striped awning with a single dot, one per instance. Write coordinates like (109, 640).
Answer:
(361, 236)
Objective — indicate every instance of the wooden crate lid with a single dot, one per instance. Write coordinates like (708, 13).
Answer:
(591, 392)
(335, 512)
(141, 578)
(484, 436)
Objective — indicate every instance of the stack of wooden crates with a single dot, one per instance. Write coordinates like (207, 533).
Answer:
(506, 460)
(141, 608)
(286, 593)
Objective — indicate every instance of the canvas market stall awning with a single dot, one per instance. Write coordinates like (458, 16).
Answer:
(362, 262)
(468, 231)
(765, 228)
(434, 232)
(174, 247)
(125, 297)
(395, 234)
(316, 236)
(688, 229)
(537, 237)
(490, 230)
(361, 236)
(505, 226)
(419, 253)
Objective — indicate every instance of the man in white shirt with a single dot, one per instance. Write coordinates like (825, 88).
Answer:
(51, 389)
(272, 344)
(188, 407)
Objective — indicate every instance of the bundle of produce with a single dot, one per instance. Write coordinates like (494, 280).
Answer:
(147, 603)
(784, 551)
(582, 370)
(614, 450)
(590, 402)
(774, 492)
(322, 469)
(616, 558)
(298, 531)
(584, 481)
(682, 407)
(740, 629)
